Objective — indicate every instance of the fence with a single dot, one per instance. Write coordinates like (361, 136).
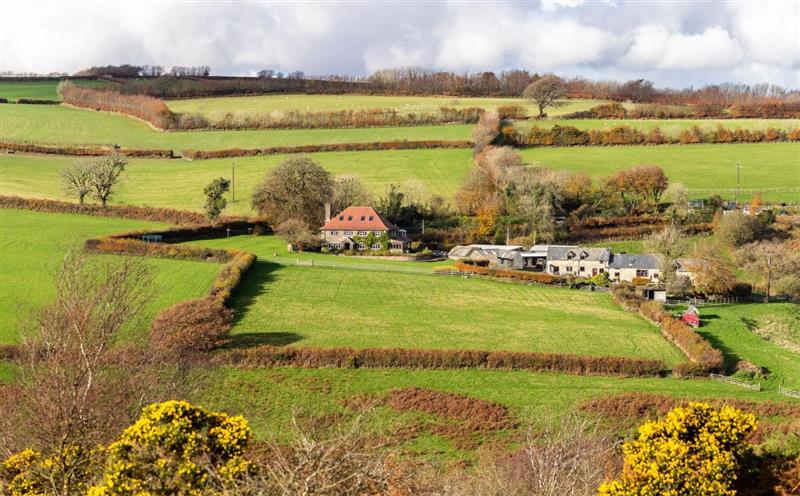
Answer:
(788, 392)
(351, 266)
(735, 382)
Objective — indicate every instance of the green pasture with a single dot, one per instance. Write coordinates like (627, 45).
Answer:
(219, 106)
(730, 328)
(32, 245)
(40, 90)
(179, 183)
(269, 397)
(331, 307)
(61, 124)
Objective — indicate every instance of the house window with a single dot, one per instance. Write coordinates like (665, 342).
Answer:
(362, 218)
(569, 268)
(362, 233)
(376, 246)
(341, 217)
(616, 275)
(370, 217)
(583, 269)
(348, 233)
(554, 269)
(602, 270)
(334, 232)
(349, 217)
(641, 273)
(361, 246)
(377, 233)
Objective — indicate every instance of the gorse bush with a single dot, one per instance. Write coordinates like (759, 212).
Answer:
(693, 451)
(175, 448)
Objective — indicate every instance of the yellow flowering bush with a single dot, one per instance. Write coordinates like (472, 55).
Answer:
(174, 448)
(693, 451)
(30, 473)
(16, 477)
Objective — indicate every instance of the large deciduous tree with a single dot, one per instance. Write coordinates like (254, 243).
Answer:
(105, 174)
(670, 244)
(297, 189)
(77, 179)
(639, 187)
(349, 191)
(548, 91)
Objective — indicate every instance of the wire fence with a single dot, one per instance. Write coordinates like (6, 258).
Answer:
(735, 382)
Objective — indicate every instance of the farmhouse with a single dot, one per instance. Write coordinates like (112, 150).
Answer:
(361, 229)
(577, 261)
(625, 267)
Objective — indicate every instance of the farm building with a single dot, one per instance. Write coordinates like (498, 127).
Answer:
(625, 267)
(577, 261)
(361, 229)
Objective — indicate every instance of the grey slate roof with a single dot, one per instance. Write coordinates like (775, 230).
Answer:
(564, 253)
(640, 261)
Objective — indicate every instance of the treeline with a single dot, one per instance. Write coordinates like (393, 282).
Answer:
(626, 135)
(146, 108)
(132, 71)
(756, 110)
(295, 119)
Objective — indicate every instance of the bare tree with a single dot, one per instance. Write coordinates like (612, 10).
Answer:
(72, 394)
(105, 174)
(77, 179)
(349, 191)
(298, 188)
(296, 234)
(670, 244)
(548, 91)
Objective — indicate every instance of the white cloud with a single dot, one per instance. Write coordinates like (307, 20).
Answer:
(691, 43)
(656, 47)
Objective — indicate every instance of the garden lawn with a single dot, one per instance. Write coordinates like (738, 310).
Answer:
(40, 90)
(268, 398)
(334, 307)
(180, 183)
(32, 245)
(61, 124)
(730, 328)
(763, 165)
(315, 103)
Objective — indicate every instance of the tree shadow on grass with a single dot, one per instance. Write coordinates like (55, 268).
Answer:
(250, 339)
(253, 285)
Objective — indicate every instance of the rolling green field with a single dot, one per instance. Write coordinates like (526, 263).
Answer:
(265, 396)
(40, 90)
(60, 124)
(32, 245)
(314, 103)
(439, 172)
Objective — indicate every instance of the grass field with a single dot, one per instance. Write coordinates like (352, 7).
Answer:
(40, 90)
(266, 397)
(60, 124)
(730, 328)
(314, 103)
(328, 307)
(440, 172)
(32, 245)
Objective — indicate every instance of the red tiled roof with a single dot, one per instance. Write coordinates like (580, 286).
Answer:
(359, 219)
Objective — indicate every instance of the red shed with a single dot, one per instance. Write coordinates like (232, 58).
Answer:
(691, 316)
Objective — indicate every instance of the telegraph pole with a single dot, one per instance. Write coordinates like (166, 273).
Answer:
(738, 183)
(233, 180)
(769, 274)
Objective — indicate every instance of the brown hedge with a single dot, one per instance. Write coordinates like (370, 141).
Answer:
(147, 108)
(9, 352)
(295, 119)
(281, 356)
(626, 135)
(331, 147)
(704, 357)
(165, 215)
(190, 327)
(84, 151)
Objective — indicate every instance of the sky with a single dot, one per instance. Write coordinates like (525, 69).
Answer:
(676, 44)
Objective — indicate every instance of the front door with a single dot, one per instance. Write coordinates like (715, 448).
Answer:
(594, 272)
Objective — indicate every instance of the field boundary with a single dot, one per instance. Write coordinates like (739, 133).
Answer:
(788, 392)
(736, 382)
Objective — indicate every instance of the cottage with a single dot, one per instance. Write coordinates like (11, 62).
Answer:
(627, 267)
(577, 261)
(361, 229)
(505, 256)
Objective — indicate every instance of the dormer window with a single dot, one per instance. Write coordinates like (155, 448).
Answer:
(362, 218)
(370, 217)
(341, 217)
(570, 255)
(584, 255)
(349, 217)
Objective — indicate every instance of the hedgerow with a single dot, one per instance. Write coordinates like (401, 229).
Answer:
(704, 357)
(165, 215)
(277, 356)
(36, 101)
(146, 108)
(296, 119)
(84, 151)
(330, 147)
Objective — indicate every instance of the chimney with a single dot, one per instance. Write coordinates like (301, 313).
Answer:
(327, 212)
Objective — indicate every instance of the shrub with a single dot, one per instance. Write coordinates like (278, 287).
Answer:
(3, 100)
(693, 451)
(512, 112)
(190, 327)
(738, 229)
(36, 101)
(146, 108)
(175, 448)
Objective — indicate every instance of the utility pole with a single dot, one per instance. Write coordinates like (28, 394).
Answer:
(769, 274)
(738, 183)
(233, 180)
